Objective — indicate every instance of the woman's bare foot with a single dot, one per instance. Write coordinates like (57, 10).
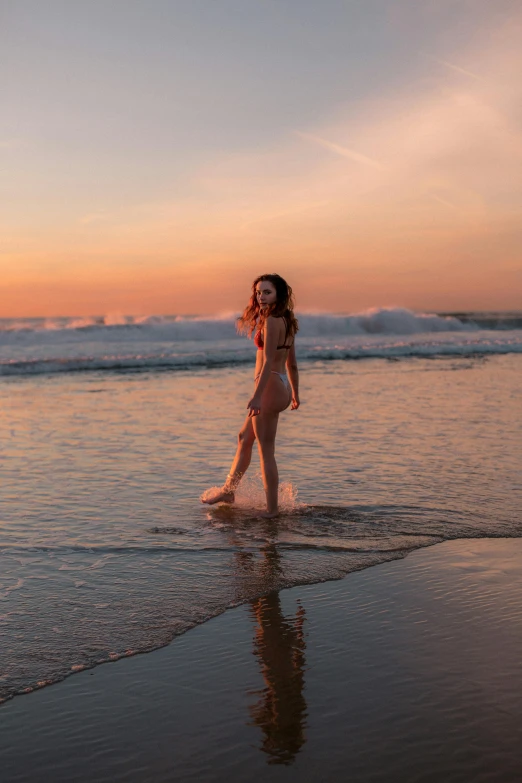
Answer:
(268, 514)
(222, 495)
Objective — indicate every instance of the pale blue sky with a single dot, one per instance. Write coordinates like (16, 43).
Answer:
(130, 94)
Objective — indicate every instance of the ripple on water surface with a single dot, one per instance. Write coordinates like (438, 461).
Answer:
(105, 551)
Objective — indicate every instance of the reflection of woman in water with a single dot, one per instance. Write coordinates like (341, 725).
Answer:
(270, 310)
(280, 648)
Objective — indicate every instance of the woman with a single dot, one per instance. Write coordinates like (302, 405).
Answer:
(270, 310)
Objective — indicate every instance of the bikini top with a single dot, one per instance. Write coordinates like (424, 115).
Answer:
(258, 340)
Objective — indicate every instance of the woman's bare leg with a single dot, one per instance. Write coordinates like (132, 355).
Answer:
(245, 441)
(265, 428)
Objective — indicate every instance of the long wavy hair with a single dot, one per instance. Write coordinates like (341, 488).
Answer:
(283, 306)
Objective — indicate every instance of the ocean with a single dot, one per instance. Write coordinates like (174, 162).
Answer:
(409, 434)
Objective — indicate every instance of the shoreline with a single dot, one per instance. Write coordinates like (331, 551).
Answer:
(385, 673)
(387, 557)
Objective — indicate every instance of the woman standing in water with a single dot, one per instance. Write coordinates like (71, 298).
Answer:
(270, 310)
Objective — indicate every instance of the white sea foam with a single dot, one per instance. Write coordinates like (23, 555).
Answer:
(386, 320)
(117, 342)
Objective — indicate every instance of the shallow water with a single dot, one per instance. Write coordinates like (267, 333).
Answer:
(405, 672)
(106, 551)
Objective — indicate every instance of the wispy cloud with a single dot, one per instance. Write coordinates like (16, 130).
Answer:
(456, 68)
(345, 152)
(443, 201)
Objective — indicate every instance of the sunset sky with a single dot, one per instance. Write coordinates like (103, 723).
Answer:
(157, 155)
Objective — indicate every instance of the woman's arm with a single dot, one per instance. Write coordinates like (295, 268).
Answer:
(293, 376)
(270, 335)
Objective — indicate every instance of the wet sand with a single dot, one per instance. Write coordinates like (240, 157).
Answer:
(407, 671)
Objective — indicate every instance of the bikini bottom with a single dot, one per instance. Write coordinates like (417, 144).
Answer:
(282, 375)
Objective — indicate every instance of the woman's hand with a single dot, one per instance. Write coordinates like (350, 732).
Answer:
(255, 406)
(296, 402)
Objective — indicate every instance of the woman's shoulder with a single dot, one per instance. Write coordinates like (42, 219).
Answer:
(274, 322)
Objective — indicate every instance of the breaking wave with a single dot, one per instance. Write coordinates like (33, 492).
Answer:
(127, 343)
(384, 320)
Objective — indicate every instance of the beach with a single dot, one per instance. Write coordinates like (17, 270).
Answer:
(408, 671)
(211, 211)
(399, 481)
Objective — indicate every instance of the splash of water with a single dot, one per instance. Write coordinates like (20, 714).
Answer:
(251, 495)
